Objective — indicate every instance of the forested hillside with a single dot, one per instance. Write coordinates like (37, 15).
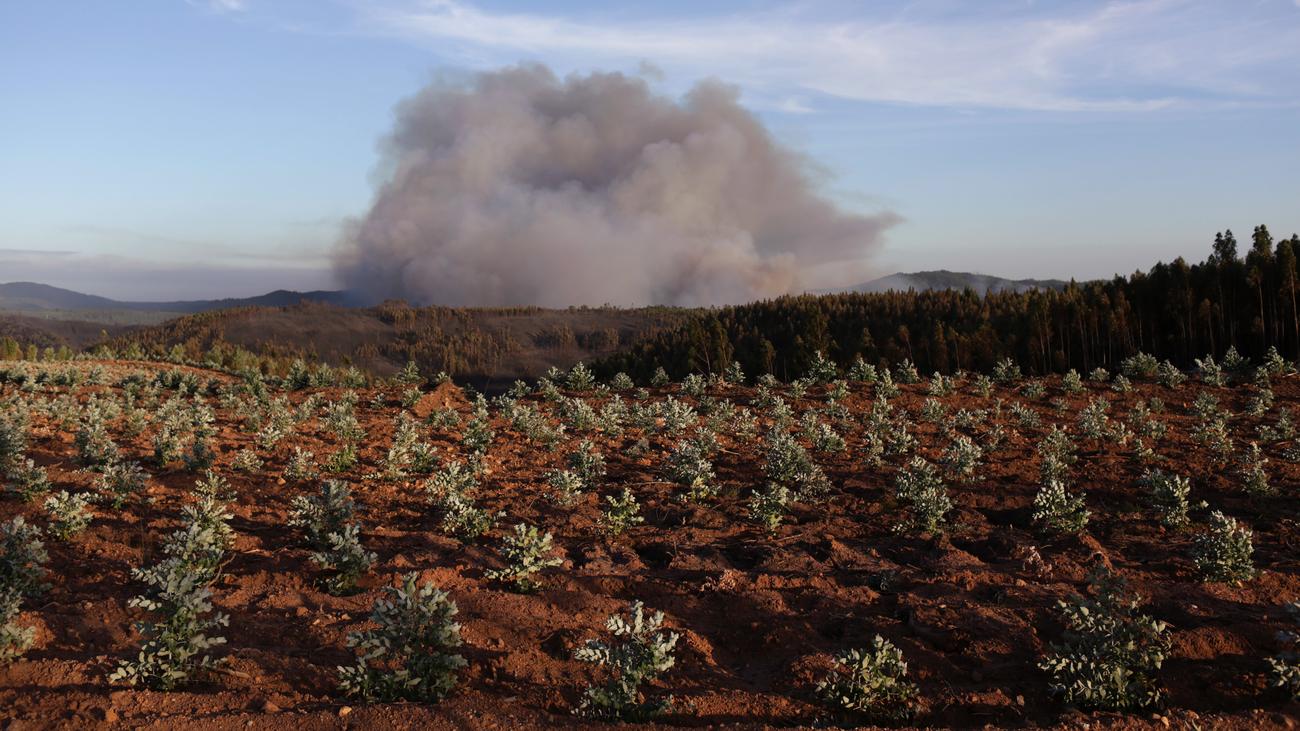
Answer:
(1175, 311)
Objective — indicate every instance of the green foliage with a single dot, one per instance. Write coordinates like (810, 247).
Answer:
(1168, 493)
(587, 462)
(1006, 372)
(905, 372)
(1140, 365)
(322, 514)
(926, 499)
(1168, 375)
(1223, 551)
(69, 514)
(409, 654)
(177, 645)
(301, 465)
(14, 638)
(1072, 383)
(28, 480)
(22, 573)
(962, 457)
(566, 487)
(13, 441)
(789, 465)
(22, 557)
(871, 682)
(1110, 653)
(767, 507)
(1285, 666)
(344, 558)
(1059, 512)
(526, 552)
(95, 446)
(1253, 470)
(177, 642)
(822, 369)
(640, 652)
(621, 512)
(689, 467)
(120, 482)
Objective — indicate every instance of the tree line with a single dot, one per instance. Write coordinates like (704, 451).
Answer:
(1176, 311)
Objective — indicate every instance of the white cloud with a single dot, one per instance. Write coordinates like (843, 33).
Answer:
(1118, 56)
(221, 6)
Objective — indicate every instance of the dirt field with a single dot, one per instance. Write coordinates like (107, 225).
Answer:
(972, 609)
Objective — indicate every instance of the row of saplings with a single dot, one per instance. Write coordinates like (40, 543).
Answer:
(1109, 656)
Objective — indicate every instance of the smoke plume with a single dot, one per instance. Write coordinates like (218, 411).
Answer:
(523, 188)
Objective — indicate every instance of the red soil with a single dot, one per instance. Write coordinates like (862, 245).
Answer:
(760, 617)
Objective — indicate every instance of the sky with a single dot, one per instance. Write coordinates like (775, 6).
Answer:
(174, 149)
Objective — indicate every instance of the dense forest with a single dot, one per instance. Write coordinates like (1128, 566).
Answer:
(1176, 311)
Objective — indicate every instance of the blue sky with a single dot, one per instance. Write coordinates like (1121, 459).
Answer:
(157, 149)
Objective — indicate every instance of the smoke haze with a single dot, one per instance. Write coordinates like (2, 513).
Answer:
(523, 188)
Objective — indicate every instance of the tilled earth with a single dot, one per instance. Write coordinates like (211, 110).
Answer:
(973, 609)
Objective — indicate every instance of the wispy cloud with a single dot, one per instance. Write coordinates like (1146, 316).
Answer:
(1118, 56)
(221, 6)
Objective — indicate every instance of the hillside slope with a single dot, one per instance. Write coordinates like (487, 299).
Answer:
(941, 279)
(481, 346)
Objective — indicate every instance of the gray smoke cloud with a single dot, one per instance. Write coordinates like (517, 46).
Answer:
(520, 187)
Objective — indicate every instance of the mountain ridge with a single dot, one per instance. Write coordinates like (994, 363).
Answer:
(937, 279)
(37, 297)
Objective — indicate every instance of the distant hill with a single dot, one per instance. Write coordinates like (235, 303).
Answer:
(943, 279)
(488, 347)
(31, 297)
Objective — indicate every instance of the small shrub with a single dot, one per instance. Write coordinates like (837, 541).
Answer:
(1223, 551)
(28, 480)
(689, 467)
(1058, 511)
(1285, 666)
(1168, 496)
(177, 643)
(176, 646)
(1110, 652)
(788, 464)
(121, 481)
(95, 446)
(14, 638)
(1142, 365)
(1253, 471)
(409, 655)
(587, 462)
(641, 651)
(22, 557)
(301, 465)
(345, 559)
(962, 457)
(871, 682)
(862, 371)
(68, 513)
(322, 514)
(767, 506)
(621, 513)
(527, 551)
(1072, 383)
(1006, 372)
(918, 485)
(13, 440)
(1169, 376)
(566, 487)
(905, 372)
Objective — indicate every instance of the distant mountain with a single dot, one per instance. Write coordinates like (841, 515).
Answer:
(39, 298)
(944, 279)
